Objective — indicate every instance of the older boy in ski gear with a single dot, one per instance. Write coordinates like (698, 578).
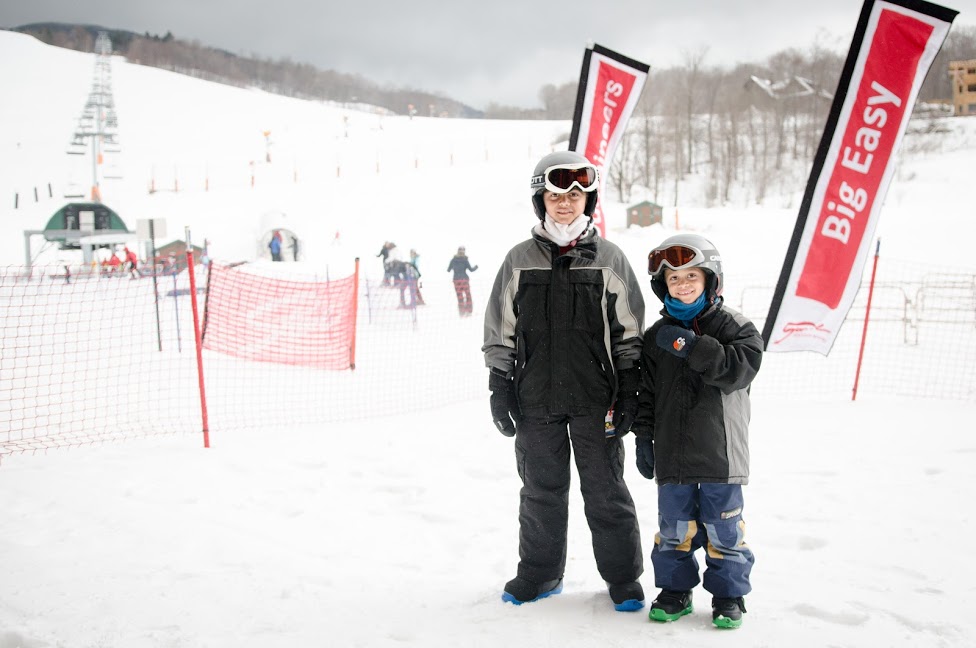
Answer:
(562, 342)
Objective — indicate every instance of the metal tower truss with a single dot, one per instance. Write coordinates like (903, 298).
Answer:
(97, 128)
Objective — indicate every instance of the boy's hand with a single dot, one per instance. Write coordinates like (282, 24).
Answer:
(645, 457)
(504, 404)
(676, 340)
(625, 409)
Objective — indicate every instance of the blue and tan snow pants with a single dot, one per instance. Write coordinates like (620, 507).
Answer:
(691, 516)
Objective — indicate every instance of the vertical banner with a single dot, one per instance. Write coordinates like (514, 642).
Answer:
(610, 85)
(894, 45)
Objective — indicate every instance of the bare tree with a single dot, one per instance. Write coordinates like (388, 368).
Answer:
(693, 67)
(559, 102)
(623, 173)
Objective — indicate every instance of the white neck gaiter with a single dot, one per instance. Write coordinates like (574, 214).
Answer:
(562, 235)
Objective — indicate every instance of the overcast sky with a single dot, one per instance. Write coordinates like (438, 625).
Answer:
(499, 51)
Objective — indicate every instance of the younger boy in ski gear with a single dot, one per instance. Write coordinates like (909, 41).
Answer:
(691, 430)
(562, 341)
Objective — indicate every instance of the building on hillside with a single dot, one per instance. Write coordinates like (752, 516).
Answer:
(963, 75)
(644, 214)
(793, 87)
(175, 252)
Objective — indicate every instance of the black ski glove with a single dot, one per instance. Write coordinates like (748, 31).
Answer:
(676, 340)
(504, 404)
(625, 409)
(645, 456)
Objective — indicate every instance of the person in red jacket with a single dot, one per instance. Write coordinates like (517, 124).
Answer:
(114, 264)
(131, 263)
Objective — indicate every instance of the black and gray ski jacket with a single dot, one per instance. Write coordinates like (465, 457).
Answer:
(697, 409)
(564, 325)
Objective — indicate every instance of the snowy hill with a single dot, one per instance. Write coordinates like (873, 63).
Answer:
(364, 175)
(203, 148)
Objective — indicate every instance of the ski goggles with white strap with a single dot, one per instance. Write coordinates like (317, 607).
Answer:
(561, 178)
(675, 257)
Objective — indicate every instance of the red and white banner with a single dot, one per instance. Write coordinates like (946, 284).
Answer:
(894, 45)
(610, 85)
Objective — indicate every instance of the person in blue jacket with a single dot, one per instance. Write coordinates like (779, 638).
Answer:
(275, 246)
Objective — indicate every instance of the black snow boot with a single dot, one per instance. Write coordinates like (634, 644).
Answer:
(727, 612)
(670, 605)
(520, 590)
(627, 597)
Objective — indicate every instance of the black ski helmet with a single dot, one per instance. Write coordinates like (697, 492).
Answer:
(538, 182)
(709, 260)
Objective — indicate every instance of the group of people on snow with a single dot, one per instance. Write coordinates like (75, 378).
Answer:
(405, 275)
(276, 246)
(114, 265)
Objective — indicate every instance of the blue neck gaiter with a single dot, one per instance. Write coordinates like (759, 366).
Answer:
(682, 311)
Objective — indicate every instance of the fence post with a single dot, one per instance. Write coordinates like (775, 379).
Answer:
(355, 311)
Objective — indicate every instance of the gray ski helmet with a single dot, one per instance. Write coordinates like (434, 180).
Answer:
(538, 182)
(710, 261)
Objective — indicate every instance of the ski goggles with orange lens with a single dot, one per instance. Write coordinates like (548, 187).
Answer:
(673, 256)
(561, 178)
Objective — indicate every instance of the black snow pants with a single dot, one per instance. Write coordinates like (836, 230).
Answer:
(542, 453)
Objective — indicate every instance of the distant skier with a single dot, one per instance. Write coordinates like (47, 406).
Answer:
(460, 266)
(415, 262)
(275, 246)
(131, 263)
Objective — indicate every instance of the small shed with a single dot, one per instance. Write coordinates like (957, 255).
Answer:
(177, 249)
(644, 214)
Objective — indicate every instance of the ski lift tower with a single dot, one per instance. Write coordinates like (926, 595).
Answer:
(97, 127)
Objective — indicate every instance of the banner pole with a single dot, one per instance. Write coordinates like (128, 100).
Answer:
(199, 345)
(867, 317)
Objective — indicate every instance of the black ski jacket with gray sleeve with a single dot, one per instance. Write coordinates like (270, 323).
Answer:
(697, 409)
(564, 325)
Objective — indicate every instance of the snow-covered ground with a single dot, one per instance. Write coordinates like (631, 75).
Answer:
(401, 530)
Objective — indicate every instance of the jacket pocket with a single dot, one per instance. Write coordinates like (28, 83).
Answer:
(586, 287)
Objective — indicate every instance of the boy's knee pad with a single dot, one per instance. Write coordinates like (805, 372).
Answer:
(726, 540)
(676, 535)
